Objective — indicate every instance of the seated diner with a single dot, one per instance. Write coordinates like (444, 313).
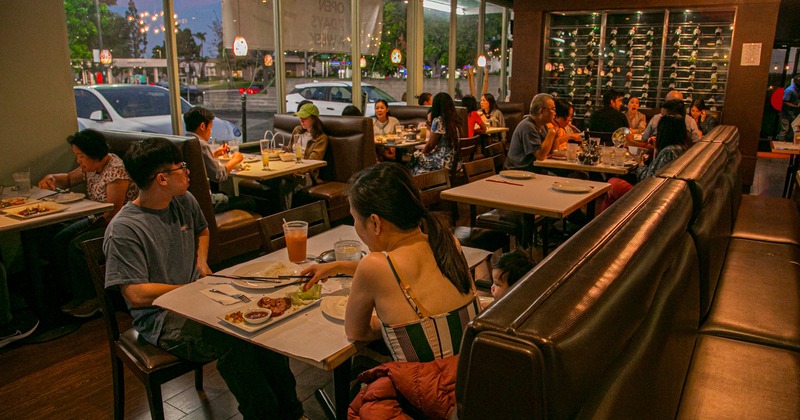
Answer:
(535, 137)
(442, 137)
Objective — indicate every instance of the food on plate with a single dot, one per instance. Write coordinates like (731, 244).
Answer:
(277, 305)
(12, 202)
(300, 297)
(380, 139)
(287, 157)
(235, 317)
(273, 269)
(33, 210)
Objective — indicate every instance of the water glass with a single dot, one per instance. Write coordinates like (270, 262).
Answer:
(572, 151)
(23, 182)
(619, 157)
(296, 236)
(398, 129)
(347, 250)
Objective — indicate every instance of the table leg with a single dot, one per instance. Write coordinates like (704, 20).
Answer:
(337, 409)
(545, 237)
(236, 185)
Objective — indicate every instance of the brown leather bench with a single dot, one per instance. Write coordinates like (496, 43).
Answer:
(513, 113)
(233, 232)
(653, 309)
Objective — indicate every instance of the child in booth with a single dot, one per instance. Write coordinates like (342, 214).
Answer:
(509, 268)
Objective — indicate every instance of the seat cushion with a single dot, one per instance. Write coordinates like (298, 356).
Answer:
(731, 379)
(334, 193)
(146, 354)
(768, 219)
(758, 295)
(233, 219)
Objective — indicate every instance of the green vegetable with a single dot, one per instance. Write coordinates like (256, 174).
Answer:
(300, 297)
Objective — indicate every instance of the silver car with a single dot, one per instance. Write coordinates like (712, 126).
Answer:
(332, 97)
(136, 108)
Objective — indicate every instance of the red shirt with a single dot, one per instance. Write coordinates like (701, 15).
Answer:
(472, 119)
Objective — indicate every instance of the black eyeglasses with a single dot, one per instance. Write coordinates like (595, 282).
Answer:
(184, 167)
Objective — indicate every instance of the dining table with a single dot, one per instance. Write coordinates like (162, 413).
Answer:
(311, 336)
(252, 168)
(793, 150)
(525, 192)
(69, 206)
(561, 162)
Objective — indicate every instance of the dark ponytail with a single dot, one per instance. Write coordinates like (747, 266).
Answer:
(388, 191)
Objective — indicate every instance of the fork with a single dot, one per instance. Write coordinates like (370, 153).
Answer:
(239, 296)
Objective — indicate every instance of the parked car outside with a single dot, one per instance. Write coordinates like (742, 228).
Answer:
(192, 94)
(136, 108)
(332, 97)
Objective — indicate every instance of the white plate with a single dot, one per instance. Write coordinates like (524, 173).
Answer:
(334, 306)
(513, 174)
(266, 269)
(565, 186)
(69, 197)
(294, 310)
(15, 202)
(51, 208)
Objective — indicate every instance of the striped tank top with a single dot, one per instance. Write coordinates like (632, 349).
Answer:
(430, 337)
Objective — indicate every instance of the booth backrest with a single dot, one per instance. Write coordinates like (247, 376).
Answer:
(728, 135)
(513, 113)
(411, 114)
(581, 335)
(703, 167)
(351, 146)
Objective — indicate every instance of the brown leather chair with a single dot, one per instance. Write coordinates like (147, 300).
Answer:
(233, 232)
(316, 214)
(513, 113)
(151, 365)
(409, 114)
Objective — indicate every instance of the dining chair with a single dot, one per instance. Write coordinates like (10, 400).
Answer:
(151, 365)
(316, 214)
(463, 152)
(510, 222)
(497, 152)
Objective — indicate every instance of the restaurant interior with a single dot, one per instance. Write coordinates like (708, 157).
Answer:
(681, 300)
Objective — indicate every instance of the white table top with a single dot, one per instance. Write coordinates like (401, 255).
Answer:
(76, 210)
(785, 147)
(495, 130)
(577, 166)
(533, 196)
(277, 169)
(310, 336)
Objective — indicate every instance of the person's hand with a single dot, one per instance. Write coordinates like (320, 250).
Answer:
(651, 140)
(222, 150)
(320, 272)
(204, 268)
(575, 137)
(237, 158)
(48, 183)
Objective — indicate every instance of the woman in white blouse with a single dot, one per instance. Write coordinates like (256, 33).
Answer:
(383, 124)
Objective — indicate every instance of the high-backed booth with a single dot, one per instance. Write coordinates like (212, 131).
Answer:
(655, 309)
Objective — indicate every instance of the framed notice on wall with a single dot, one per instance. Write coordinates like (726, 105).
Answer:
(751, 54)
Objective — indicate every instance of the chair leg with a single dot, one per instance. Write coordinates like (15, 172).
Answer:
(198, 378)
(154, 400)
(118, 379)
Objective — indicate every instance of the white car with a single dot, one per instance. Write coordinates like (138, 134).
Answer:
(136, 108)
(332, 97)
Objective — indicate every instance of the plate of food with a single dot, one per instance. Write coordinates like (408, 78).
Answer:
(514, 174)
(266, 269)
(571, 187)
(253, 316)
(69, 197)
(16, 201)
(42, 208)
(334, 306)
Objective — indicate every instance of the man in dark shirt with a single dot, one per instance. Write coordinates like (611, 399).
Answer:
(791, 104)
(609, 118)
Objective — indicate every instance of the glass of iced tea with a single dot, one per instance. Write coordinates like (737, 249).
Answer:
(296, 234)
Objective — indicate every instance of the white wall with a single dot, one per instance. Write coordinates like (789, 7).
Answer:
(37, 108)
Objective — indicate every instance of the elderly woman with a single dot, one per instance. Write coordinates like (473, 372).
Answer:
(415, 276)
(444, 133)
(383, 124)
(106, 182)
(636, 120)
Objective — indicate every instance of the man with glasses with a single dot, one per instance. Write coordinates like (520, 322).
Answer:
(535, 136)
(609, 118)
(159, 242)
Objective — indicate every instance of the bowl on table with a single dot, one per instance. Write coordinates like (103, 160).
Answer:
(287, 157)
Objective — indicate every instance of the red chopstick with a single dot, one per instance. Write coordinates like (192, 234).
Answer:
(505, 182)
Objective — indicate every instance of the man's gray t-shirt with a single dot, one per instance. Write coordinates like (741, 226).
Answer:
(691, 128)
(526, 140)
(215, 170)
(153, 246)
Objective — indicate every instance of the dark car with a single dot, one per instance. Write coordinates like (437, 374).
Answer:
(190, 93)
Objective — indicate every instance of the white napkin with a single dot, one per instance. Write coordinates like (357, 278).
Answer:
(220, 298)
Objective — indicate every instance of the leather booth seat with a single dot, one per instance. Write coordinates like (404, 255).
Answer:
(513, 113)
(233, 232)
(410, 114)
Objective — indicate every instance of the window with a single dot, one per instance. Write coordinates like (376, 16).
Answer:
(86, 103)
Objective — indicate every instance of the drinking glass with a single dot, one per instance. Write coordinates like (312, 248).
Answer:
(398, 129)
(265, 149)
(298, 148)
(23, 182)
(572, 151)
(347, 250)
(296, 236)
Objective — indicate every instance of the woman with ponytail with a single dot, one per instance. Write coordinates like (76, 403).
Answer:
(415, 276)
